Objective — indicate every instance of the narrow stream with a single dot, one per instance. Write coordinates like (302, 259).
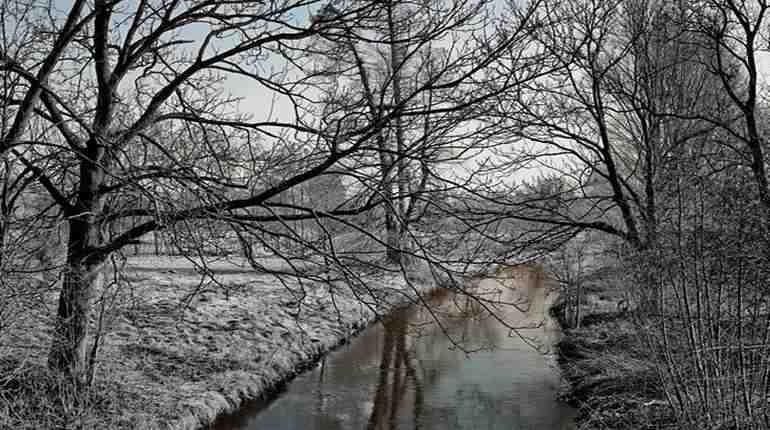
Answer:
(406, 373)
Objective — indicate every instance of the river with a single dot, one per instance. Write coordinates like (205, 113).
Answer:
(458, 364)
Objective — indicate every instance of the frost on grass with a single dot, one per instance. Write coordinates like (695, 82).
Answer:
(180, 359)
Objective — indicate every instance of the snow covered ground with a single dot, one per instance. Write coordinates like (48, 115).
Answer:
(182, 347)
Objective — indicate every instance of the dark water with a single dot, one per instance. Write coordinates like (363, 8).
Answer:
(406, 373)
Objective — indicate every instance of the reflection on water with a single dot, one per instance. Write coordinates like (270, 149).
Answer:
(456, 365)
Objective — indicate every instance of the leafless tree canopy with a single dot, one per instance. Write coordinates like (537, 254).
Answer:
(119, 119)
(351, 135)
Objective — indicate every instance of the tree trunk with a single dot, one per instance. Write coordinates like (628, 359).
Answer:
(650, 218)
(578, 293)
(392, 228)
(402, 172)
(2, 243)
(5, 210)
(81, 278)
(392, 234)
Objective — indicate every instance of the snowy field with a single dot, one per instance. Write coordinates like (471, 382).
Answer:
(184, 344)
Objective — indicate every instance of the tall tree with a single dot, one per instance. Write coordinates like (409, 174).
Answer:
(735, 36)
(392, 55)
(132, 98)
(599, 120)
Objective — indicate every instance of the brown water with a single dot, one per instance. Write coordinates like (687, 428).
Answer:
(453, 366)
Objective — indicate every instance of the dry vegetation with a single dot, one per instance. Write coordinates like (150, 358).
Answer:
(611, 375)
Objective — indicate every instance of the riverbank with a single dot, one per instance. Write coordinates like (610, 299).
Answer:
(609, 373)
(171, 359)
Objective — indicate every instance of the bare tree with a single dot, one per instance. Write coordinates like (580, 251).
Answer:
(391, 55)
(596, 120)
(137, 123)
(736, 35)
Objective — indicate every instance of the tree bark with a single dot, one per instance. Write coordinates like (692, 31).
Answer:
(396, 235)
(82, 275)
(81, 278)
(392, 233)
